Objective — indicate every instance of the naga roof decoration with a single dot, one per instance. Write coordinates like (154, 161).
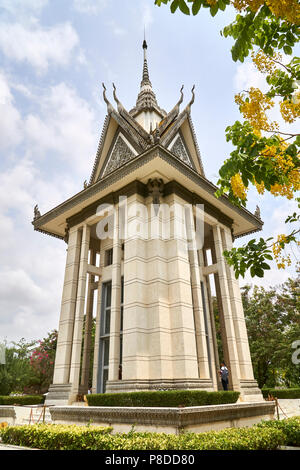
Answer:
(162, 131)
(140, 142)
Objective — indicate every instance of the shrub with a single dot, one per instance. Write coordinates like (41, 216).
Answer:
(72, 437)
(290, 427)
(281, 392)
(22, 400)
(53, 436)
(170, 398)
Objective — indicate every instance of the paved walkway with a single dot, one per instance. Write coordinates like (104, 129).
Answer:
(10, 447)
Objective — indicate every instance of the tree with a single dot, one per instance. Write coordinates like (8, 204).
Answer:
(16, 374)
(28, 366)
(272, 319)
(42, 363)
(264, 156)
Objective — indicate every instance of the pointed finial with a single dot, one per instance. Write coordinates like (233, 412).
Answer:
(145, 42)
(146, 98)
(109, 105)
(119, 104)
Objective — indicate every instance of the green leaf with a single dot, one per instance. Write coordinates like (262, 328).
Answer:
(196, 6)
(287, 50)
(174, 6)
(222, 5)
(183, 7)
(214, 9)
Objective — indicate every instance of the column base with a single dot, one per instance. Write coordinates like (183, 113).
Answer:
(120, 386)
(250, 391)
(59, 394)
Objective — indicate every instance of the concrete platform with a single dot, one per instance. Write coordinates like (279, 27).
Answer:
(169, 420)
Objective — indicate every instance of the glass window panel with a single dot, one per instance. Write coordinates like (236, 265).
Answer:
(121, 349)
(121, 319)
(108, 294)
(105, 378)
(122, 290)
(106, 352)
(107, 322)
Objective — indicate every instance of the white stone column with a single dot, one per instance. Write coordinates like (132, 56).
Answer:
(66, 322)
(79, 312)
(188, 350)
(200, 329)
(88, 327)
(226, 309)
(97, 339)
(214, 356)
(241, 336)
(135, 365)
(114, 338)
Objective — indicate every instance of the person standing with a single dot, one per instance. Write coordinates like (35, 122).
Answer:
(224, 375)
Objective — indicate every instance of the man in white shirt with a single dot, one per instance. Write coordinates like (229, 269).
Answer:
(224, 376)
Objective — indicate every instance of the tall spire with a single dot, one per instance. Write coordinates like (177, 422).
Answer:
(146, 98)
(145, 79)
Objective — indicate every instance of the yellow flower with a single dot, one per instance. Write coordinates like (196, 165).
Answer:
(277, 248)
(289, 110)
(237, 185)
(254, 109)
(289, 9)
(264, 63)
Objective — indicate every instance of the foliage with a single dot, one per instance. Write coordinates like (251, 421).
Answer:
(290, 427)
(59, 437)
(273, 324)
(42, 363)
(170, 398)
(253, 256)
(53, 436)
(15, 374)
(291, 393)
(22, 400)
(263, 155)
(28, 366)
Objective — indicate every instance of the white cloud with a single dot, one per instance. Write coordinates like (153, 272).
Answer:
(91, 7)
(20, 7)
(61, 131)
(38, 46)
(66, 124)
(247, 76)
(116, 29)
(11, 119)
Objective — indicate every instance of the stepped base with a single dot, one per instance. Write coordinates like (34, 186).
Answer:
(59, 394)
(119, 386)
(250, 391)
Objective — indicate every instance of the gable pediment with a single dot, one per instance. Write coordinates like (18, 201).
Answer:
(178, 148)
(114, 125)
(120, 153)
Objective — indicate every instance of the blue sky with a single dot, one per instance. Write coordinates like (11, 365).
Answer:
(54, 55)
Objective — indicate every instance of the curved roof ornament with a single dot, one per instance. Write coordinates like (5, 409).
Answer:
(188, 107)
(176, 107)
(110, 107)
(119, 104)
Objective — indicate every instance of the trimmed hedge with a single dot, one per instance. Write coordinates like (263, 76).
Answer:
(53, 436)
(72, 437)
(170, 398)
(281, 392)
(22, 400)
